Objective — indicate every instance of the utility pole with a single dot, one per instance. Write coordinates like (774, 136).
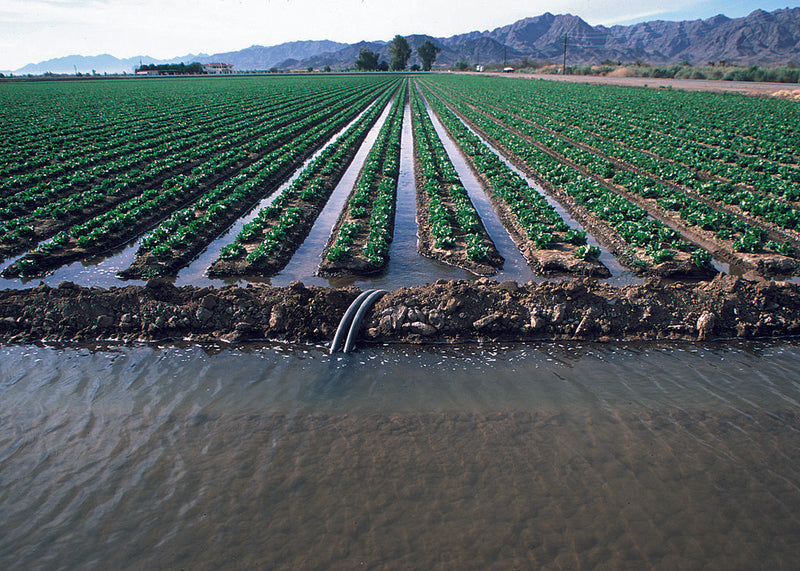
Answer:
(564, 67)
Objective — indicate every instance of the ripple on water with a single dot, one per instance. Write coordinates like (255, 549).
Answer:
(481, 456)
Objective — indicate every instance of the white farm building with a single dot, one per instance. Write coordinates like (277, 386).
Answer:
(218, 68)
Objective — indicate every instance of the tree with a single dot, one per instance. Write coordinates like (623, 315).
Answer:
(400, 51)
(427, 53)
(367, 60)
(461, 66)
(383, 66)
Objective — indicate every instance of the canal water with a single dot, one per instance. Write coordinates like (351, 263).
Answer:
(527, 456)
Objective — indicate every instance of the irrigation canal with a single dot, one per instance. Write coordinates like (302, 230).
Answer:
(570, 455)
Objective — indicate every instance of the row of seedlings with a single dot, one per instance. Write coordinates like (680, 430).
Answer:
(756, 132)
(82, 160)
(266, 244)
(294, 136)
(763, 196)
(170, 135)
(50, 206)
(550, 246)
(732, 238)
(80, 143)
(644, 244)
(359, 242)
(183, 235)
(126, 127)
(450, 229)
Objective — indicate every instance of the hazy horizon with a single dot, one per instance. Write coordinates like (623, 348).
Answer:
(33, 31)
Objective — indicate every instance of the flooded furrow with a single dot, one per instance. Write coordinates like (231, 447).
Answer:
(619, 274)
(515, 266)
(305, 261)
(196, 272)
(404, 260)
(406, 266)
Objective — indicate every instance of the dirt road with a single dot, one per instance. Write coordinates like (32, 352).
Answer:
(744, 87)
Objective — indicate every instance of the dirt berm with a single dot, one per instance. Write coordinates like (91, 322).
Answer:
(482, 310)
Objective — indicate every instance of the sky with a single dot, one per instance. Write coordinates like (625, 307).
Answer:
(32, 31)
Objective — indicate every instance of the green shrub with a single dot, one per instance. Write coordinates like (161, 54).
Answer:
(588, 253)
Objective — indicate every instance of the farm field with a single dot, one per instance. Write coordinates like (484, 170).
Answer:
(649, 183)
(586, 354)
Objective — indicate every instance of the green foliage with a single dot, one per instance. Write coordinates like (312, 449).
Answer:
(367, 60)
(577, 237)
(162, 252)
(427, 52)
(701, 258)
(588, 253)
(399, 52)
(231, 251)
(782, 248)
(660, 256)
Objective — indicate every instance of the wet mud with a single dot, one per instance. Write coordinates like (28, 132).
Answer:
(445, 311)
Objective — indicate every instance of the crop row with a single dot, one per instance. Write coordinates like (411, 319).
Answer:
(669, 163)
(99, 130)
(88, 161)
(542, 225)
(285, 146)
(360, 241)
(454, 224)
(747, 238)
(174, 243)
(761, 128)
(644, 235)
(266, 243)
(211, 156)
(676, 137)
(594, 153)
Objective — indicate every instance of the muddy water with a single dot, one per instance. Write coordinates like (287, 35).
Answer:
(619, 274)
(195, 273)
(406, 267)
(451, 457)
(515, 267)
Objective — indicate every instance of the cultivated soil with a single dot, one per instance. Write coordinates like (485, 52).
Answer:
(455, 311)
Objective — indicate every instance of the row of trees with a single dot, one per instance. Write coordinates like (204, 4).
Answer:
(399, 53)
(174, 68)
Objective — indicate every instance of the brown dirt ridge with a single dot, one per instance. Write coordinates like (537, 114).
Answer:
(446, 311)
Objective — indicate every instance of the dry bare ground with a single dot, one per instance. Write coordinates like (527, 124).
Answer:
(743, 87)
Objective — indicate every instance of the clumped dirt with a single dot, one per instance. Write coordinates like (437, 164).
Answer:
(455, 311)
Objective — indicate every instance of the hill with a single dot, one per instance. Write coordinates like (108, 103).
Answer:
(761, 38)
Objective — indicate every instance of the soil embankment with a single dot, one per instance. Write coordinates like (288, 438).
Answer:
(481, 310)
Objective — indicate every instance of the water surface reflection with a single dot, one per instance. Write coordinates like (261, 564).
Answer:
(493, 456)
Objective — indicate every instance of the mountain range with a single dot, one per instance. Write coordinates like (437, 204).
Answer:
(763, 38)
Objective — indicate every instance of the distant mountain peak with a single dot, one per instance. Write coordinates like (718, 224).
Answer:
(761, 37)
